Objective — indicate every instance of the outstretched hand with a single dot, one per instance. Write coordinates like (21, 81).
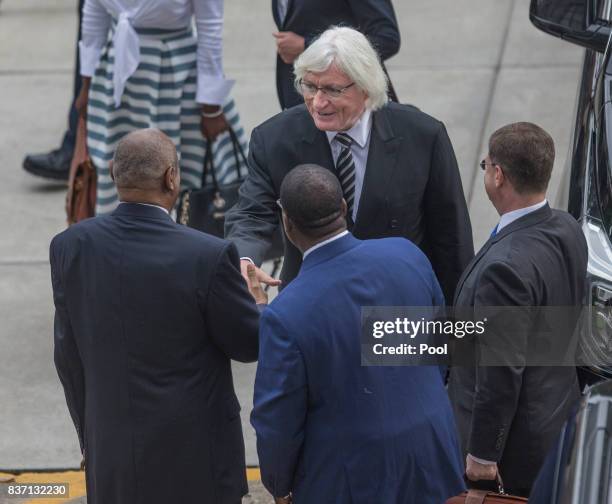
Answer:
(254, 277)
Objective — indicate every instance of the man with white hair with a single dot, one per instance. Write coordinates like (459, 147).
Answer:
(396, 165)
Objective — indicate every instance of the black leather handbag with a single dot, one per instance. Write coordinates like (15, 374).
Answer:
(205, 208)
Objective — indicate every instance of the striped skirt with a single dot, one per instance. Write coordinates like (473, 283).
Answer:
(160, 94)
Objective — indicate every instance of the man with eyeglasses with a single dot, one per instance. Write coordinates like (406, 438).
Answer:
(396, 164)
(508, 416)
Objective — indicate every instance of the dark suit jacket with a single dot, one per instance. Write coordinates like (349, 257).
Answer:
(329, 429)
(148, 315)
(411, 188)
(513, 414)
(310, 18)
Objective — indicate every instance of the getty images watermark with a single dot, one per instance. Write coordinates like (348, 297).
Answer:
(488, 336)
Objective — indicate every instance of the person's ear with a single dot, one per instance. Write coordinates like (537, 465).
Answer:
(344, 208)
(170, 179)
(110, 167)
(499, 176)
(287, 224)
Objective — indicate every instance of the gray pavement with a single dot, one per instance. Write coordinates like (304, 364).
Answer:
(474, 64)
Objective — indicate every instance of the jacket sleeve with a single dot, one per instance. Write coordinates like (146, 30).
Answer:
(95, 24)
(66, 353)
(376, 19)
(498, 387)
(447, 221)
(230, 310)
(251, 223)
(280, 402)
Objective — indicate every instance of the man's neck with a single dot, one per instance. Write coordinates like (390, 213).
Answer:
(521, 202)
(147, 199)
(313, 244)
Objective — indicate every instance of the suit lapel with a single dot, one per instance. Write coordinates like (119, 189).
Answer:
(483, 250)
(275, 14)
(290, 6)
(382, 161)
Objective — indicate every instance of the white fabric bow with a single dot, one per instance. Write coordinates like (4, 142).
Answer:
(127, 54)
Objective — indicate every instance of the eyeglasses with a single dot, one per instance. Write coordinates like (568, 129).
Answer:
(484, 164)
(309, 90)
(278, 202)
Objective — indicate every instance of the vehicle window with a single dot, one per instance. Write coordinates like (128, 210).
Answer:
(602, 10)
(568, 13)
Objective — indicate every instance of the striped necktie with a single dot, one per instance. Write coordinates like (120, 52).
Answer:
(345, 170)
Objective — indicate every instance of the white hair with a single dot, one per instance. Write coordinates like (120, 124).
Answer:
(351, 53)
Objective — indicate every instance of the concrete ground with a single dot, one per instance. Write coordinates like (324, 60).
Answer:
(474, 64)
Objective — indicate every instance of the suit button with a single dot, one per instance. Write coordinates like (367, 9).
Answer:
(393, 224)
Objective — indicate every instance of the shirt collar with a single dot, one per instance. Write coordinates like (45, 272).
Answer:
(510, 217)
(360, 132)
(149, 204)
(324, 242)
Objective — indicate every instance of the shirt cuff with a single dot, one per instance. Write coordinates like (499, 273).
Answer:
(247, 259)
(213, 90)
(481, 461)
(90, 57)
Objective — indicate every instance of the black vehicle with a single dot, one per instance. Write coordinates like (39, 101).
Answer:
(587, 181)
(578, 469)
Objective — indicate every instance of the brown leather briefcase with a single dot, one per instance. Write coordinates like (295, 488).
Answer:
(473, 496)
(81, 195)
(485, 497)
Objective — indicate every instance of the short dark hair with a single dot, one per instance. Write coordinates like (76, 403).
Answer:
(526, 154)
(311, 197)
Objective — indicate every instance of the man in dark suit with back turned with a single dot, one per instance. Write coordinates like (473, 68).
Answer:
(509, 416)
(396, 164)
(301, 21)
(148, 315)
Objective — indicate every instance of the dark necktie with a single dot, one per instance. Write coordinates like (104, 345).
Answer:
(345, 170)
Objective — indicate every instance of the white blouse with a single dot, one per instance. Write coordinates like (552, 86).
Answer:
(212, 87)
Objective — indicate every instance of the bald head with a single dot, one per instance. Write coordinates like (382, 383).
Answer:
(311, 197)
(141, 159)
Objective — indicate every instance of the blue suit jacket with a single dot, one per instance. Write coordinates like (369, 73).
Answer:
(330, 430)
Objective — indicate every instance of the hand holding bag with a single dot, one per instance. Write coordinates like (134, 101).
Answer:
(81, 195)
(205, 208)
(473, 496)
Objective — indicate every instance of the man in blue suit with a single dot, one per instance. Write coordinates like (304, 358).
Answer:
(328, 429)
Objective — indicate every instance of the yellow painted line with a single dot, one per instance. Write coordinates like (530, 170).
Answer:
(253, 474)
(76, 482)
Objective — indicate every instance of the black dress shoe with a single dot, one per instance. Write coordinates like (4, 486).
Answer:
(52, 165)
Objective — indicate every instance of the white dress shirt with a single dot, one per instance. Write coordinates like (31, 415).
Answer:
(360, 133)
(510, 217)
(212, 87)
(324, 242)
(148, 204)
